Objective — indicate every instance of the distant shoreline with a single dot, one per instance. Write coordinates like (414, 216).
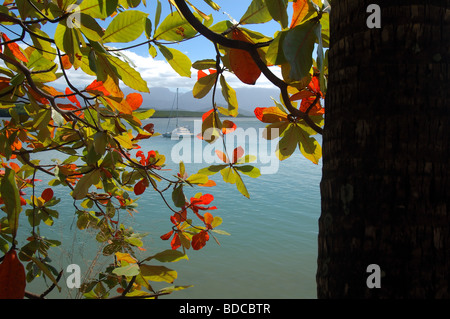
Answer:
(157, 114)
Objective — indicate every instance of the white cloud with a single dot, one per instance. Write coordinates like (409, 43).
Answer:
(159, 73)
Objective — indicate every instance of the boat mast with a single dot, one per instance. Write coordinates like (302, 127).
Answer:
(177, 107)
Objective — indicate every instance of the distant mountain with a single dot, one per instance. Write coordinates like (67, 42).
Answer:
(161, 98)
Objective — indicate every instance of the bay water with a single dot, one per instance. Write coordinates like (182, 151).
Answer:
(272, 248)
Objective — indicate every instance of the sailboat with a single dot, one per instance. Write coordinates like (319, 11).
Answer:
(179, 130)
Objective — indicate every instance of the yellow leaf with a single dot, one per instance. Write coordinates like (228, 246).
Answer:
(125, 257)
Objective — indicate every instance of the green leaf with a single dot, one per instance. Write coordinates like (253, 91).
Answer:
(204, 85)
(127, 26)
(157, 14)
(158, 273)
(90, 28)
(211, 170)
(178, 197)
(129, 270)
(169, 256)
(11, 198)
(288, 143)
(128, 75)
(144, 114)
(274, 54)
(278, 11)
(249, 170)
(177, 60)
(204, 64)
(241, 186)
(230, 96)
(45, 270)
(298, 46)
(98, 9)
(197, 179)
(68, 40)
(229, 175)
(257, 12)
(82, 187)
(309, 146)
(175, 28)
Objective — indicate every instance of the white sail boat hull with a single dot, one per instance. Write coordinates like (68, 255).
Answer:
(179, 131)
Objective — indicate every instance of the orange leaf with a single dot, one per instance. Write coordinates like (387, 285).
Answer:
(15, 49)
(200, 74)
(12, 277)
(66, 64)
(228, 127)
(72, 98)
(301, 95)
(242, 62)
(47, 194)
(223, 157)
(134, 100)
(209, 183)
(199, 240)
(300, 11)
(237, 153)
(270, 114)
(97, 88)
(208, 218)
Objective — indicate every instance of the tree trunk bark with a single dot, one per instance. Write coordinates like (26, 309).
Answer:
(386, 150)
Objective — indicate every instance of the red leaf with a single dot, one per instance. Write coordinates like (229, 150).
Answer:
(176, 242)
(15, 49)
(199, 240)
(149, 128)
(228, 127)
(140, 187)
(237, 153)
(66, 64)
(97, 88)
(202, 200)
(12, 277)
(242, 62)
(134, 100)
(167, 236)
(47, 194)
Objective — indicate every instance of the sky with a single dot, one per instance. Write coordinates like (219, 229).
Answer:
(158, 73)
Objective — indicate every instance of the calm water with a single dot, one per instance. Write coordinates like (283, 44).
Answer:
(272, 250)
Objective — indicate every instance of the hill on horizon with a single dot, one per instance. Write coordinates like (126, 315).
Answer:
(161, 98)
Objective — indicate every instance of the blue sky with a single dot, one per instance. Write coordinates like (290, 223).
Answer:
(157, 72)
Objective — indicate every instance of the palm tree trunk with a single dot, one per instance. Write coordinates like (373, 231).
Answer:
(386, 153)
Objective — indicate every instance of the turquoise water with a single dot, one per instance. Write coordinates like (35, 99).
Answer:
(271, 252)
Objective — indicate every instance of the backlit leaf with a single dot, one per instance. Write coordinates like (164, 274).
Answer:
(298, 46)
(127, 26)
(158, 273)
(257, 12)
(177, 60)
(11, 198)
(242, 63)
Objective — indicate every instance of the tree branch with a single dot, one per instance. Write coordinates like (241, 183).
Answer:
(252, 49)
